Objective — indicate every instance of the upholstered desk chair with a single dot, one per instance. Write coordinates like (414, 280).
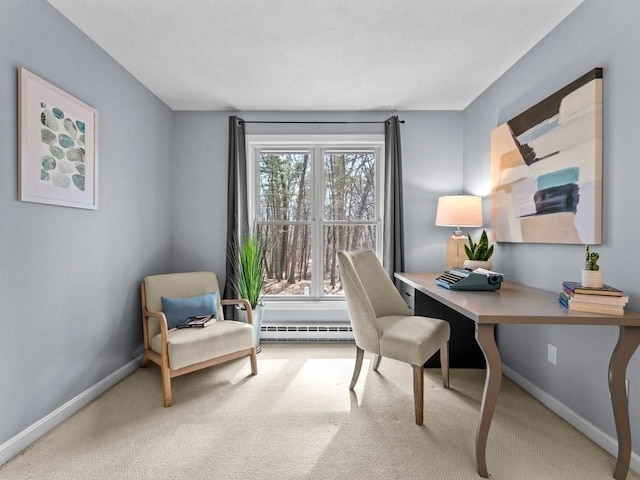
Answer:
(181, 351)
(384, 325)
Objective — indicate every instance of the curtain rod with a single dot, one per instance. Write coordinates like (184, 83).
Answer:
(300, 122)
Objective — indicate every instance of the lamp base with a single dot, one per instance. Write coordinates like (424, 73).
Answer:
(455, 252)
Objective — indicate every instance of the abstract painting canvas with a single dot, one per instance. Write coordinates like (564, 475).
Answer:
(546, 169)
(58, 146)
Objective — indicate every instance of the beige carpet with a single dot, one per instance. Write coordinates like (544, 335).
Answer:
(298, 420)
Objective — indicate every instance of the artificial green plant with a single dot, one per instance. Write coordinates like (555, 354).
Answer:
(247, 257)
(591, 260)
(481, 250)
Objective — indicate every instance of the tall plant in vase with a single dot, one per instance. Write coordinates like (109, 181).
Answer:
(248, 259)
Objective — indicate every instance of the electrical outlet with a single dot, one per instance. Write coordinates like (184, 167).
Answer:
(552, 354)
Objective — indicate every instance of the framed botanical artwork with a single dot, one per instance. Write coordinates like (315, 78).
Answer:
(58, 145)
(546, 169)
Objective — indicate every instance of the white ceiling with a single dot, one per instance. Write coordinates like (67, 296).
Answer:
(316, 54)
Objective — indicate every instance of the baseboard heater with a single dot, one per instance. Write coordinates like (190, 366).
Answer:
(306, 333)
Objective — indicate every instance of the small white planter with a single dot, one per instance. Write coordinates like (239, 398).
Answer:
(592, 278)
(473, 264)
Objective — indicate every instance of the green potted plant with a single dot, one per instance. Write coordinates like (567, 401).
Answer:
(478, 254)
(591, 274)
(248, 259)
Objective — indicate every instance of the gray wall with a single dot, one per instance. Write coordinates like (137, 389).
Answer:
(597, 34)
(69, 277)
(432, 163)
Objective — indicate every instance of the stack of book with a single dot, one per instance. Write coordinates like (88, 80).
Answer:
(606, 299)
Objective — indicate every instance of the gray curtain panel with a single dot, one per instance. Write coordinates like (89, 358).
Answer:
(237, 210)
(393, 254)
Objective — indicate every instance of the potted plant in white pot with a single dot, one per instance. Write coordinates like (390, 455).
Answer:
(247, 257)
(591, 274)
(478, 254)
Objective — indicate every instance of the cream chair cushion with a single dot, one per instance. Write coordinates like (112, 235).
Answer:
(193, 345)
(411, 339)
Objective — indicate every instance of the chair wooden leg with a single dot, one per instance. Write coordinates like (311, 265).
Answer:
(145, 361)
(358, 367)
(376, 363)
(418, 392)
(166, 385)
(444, 364)
(254, 362)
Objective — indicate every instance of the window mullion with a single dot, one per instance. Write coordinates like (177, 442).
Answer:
(318, 221)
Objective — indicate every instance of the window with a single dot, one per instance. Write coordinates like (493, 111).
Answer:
(311, 197)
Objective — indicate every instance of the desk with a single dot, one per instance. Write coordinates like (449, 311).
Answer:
(515, 303)
(464, 351)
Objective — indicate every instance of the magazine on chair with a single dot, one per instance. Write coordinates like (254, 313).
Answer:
(197, 321)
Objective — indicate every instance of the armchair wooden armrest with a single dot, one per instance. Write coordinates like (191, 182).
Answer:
(159, 315)
(162, 321)
(241, 301)
(164, 330)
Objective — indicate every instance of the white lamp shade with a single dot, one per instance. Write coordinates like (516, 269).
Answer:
(459, 211)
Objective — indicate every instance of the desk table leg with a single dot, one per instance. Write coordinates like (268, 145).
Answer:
(486, 339)
(628, 341)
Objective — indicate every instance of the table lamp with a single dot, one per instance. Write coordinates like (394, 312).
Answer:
(458, 211)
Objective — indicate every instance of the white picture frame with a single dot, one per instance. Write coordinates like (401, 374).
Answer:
(58, 145)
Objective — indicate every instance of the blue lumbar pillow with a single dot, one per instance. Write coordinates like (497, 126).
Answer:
(177, 310)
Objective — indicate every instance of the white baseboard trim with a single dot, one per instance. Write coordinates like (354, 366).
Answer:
(15, 445)
(604, 440)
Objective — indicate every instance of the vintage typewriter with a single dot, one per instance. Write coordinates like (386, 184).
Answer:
(463, 279)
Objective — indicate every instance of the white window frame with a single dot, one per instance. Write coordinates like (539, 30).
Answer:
(318, 143)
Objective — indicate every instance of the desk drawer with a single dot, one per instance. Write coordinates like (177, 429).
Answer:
(409, 295)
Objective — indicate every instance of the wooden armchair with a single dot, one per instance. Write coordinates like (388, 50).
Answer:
(181, 351)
